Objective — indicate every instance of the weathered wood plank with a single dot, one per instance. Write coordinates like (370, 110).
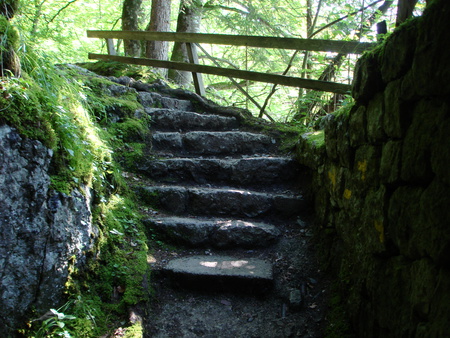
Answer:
(346, 47)
(241, 74)
(196, 77)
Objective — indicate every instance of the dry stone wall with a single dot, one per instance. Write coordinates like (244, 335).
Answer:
(382, 183)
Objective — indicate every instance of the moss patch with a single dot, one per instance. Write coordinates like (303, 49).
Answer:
(117, 69)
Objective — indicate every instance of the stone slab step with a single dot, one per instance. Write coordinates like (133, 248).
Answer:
(149, 100)
(229, 202)
(219, 233)
(221, 272)
(235, 171)
(178, 120)
(213, 143)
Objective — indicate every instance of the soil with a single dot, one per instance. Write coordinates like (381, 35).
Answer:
(178, 312)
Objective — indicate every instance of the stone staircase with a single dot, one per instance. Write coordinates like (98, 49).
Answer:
(227, 205)
(217, 186)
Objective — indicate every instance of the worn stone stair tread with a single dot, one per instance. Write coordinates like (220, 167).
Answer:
(227, 201)
(176, 120)
(213, 142)
(221, 233)
(151, 99)
(243, 171)
(221, 272)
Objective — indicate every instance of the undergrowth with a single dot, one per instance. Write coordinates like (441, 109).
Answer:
(50, 104)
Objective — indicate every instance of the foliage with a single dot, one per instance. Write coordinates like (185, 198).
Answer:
(55, 325)
(52, 105)
(45, 104)
(120, 270)
(59, 26)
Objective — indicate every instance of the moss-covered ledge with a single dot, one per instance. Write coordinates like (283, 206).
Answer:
(310, 149)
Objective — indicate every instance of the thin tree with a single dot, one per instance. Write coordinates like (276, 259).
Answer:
(159, 22)
(189, 18)
(130, 22)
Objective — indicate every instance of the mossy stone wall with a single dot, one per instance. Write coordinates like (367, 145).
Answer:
(382, 185)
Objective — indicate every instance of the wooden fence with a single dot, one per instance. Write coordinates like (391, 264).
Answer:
(346, 47)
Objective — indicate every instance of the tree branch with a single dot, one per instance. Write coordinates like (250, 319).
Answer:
(61, 10)
(346, 16)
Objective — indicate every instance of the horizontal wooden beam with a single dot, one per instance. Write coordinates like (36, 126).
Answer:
(234, 73)
(345, 47)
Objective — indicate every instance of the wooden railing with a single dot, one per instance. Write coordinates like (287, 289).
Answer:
(191, 39)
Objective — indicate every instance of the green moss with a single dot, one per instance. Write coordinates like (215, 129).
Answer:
(338, 325)
(50, 105)
(344, 111)
(106, 287)
(22, 106)
(130, 140)
(12, 35)
(316, 138)
(101, 103)
(122, 265)
(131, 129)
(134, 331)
(117, 69)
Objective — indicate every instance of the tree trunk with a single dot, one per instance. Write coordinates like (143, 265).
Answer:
(405, 10)
(130, 22)
(189, 19)
(9, 39)
(8, 8)
(159, 22)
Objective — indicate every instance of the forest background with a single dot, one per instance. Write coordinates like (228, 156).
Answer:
(57, 29)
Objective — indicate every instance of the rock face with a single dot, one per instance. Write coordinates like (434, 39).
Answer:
(382, 181)
(42, 233)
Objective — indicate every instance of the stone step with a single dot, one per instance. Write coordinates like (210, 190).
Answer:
(152, 100)
(221, 273)
(178, 120)
(229, 202)
(248, 171)
(213, 143)
(219, 233)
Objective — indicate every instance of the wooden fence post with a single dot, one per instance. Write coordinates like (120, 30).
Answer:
(197, 77)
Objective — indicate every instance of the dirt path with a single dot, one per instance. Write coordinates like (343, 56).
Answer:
(296, 307)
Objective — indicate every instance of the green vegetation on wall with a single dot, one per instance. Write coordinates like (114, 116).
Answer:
(52, 105)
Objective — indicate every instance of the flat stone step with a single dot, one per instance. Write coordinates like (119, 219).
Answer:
(233, 171)
(230, 202)
(213, 143)
(219, 233)
(151, 100)
(221, 272)
(178, 120)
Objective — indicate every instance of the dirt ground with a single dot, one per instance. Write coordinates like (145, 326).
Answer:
(296, 307)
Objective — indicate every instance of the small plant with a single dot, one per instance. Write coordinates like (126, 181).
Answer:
(55, 326)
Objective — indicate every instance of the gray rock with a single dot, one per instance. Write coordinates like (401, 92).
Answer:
(167, 119)
(214, 232)
(41, 232)
(223, 201)
(221, 272)
(214, 143)
(295, 300)
(243, 171)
